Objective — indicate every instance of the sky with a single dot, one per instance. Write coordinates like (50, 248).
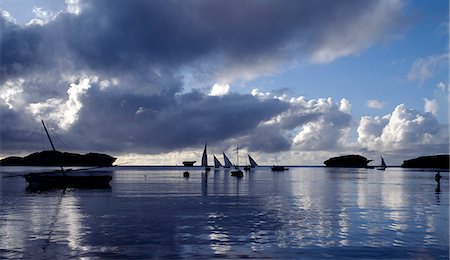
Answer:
(289, 82)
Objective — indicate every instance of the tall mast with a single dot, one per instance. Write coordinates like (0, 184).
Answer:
(237, 156)
(45, 128)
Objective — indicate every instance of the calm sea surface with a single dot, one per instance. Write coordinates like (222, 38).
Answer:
(305, 212)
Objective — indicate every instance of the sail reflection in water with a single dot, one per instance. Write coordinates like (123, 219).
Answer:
(303, 213)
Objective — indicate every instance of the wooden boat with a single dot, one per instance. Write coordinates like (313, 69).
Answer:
(68, 178)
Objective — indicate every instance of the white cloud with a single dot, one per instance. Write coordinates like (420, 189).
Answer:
(404, 129)
(345, 106)
(42, 16)
(442, 86)
(376, 104)
(73, 6)
(263, 95)
(431, 106)
(7, 16)
(318, 124)
(10, 91)
(370, 130)
(219, 89)
(65, 113)
(424, 68)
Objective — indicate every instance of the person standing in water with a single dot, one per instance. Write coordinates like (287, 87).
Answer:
(438, 177)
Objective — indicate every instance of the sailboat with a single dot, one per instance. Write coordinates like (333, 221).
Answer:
(67, 178)
(227, 161)
(253, 163)
(205, 160)
(383, 165)
(237, 172)
(217, 163)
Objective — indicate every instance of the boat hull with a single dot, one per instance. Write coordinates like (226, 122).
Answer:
(279, 168)
(59, 180)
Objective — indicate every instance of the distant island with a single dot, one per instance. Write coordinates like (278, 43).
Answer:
(56, 158)
(433, 161)
(353, 161)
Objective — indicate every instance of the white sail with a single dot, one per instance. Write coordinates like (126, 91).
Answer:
(204, 158)
(217, 163)
(228, 164)
(252, 162)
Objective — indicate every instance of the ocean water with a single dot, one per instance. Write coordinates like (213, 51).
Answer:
(306, 213)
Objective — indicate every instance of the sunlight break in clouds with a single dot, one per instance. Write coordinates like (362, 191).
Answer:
(65, 113)
(10, 92)
(219, 89)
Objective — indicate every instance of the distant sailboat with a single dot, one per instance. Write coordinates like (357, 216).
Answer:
(205, 159)
(228, 164)
(237, 172)
(278, 168)
(253, 163)
(217, 163)
(383, 165)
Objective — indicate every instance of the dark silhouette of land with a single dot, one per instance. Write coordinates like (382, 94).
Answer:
(434, 161)
(353, 160)
(56, 158)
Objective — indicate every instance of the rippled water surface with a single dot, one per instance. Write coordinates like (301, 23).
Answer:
(301, 213)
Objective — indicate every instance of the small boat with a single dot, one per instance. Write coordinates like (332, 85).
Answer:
(217, 163)
(277, 168)
(186, 174)
(205, 160)
(188, 163)
(237, 172)
(68, 178)
(383, 165)
(227, 161)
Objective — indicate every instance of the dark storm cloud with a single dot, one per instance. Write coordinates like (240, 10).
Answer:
(124, 35)
(148, 51)
(165, 123)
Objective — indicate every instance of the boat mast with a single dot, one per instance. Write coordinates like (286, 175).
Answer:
(237, 156)
(45, 128)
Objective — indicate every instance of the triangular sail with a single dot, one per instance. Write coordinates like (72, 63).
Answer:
(383, 164)
(252, 162)
(204, 158)
(217, 163)
(228, 164)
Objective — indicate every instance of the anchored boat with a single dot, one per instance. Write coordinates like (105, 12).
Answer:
(68, 178)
